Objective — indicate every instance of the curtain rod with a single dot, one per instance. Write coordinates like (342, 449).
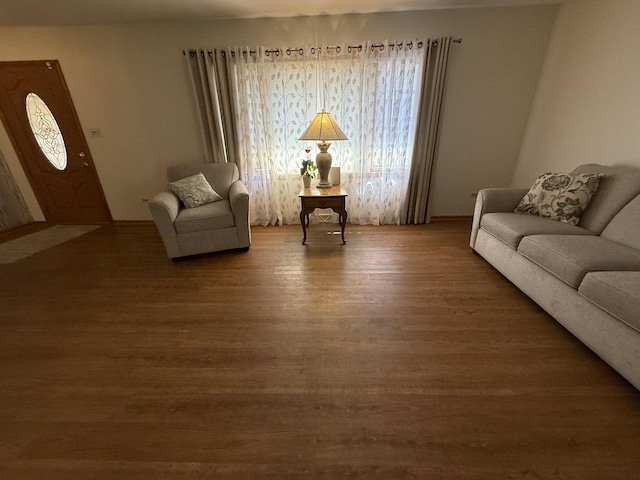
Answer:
(313, 50)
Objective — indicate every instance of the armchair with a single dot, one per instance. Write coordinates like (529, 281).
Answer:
(221, 225)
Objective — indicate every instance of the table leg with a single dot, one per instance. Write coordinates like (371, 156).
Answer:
(343, 222)
(304, 226)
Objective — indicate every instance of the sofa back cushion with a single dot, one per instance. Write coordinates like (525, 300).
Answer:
(219, 175)
(617, 187)
(625, 226)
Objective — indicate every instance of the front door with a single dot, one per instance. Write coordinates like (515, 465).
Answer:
(41, 121)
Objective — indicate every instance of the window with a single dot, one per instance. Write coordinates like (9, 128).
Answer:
(46, 131)
(372, 91)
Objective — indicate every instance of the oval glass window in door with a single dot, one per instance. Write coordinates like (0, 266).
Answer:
(46, 131)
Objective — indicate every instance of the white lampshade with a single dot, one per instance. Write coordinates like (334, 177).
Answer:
(323, 127)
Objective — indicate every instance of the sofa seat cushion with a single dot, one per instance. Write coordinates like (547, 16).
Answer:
(571, 257)
(618, 293)
(205, 217)
(510, 228)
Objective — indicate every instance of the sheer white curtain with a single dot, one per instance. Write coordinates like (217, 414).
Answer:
(371, 90)
(271, 91)
(375, 98)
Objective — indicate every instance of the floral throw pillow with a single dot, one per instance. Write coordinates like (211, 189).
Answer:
(194, 191)
(560, 196)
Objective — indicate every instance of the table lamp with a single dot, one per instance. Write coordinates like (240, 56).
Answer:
(323, 127)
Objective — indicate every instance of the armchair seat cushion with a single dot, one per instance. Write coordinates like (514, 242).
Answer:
(211, 216)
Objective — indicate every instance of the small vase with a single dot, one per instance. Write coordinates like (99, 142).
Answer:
(306, 181)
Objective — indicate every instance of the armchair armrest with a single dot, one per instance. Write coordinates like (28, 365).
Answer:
(164, 207)
(491, 200)
(238, 195)
(239, 200)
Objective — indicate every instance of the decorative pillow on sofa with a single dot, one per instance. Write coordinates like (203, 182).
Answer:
(560, 196)
(194, 191)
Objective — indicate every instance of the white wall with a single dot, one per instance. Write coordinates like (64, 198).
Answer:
(130, 81)
(587, 107)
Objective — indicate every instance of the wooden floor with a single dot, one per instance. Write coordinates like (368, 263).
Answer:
(400, 355)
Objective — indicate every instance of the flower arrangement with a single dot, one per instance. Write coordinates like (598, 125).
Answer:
(308, 168)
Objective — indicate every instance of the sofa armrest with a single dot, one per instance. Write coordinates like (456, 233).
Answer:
(239, 200)
(491, 200)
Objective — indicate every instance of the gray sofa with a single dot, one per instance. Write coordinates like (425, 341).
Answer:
(221, 225)
(587, 276)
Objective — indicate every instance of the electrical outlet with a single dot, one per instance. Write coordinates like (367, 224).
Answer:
(144, 199)
(95, 133)
(474, 194)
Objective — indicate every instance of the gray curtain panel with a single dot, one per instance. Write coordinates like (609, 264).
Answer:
(226, 88)
(417, 208)
(209, 72)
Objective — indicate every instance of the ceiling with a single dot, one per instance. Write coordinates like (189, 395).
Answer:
(92, 12)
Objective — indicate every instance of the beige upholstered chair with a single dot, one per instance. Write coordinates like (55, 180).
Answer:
(221, 225)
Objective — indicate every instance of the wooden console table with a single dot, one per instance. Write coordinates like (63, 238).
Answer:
(312, 198)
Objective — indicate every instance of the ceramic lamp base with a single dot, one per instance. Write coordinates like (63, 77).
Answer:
(323, 162)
